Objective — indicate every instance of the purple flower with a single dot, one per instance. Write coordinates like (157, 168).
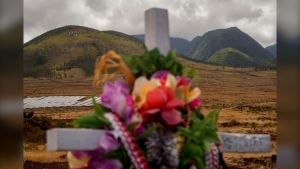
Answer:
(107, 143)
(104, 163)
(116, 97)
(160, 74)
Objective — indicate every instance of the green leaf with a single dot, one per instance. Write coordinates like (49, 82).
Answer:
(104, 120)
(143, 65)
(206, 145)
(172, 53)
(131, 126)
(115, 154)
(199, 162)
(173, 69)
(199, 113)
(88, 121)
(169, 62)
(155, 52)
(99, 109)
(186, 132)
(191, 73)
(217, 116)
(212, 137)
(148, 132)
(119, 154)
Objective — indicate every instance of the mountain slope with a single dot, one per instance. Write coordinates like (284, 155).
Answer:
(74, 46)
(192, 46)
(231, 57)
(215, 40)
(272, 49)
(179, 44)
(235, 58)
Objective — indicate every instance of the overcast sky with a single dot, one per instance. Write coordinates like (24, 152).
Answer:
(187, 18)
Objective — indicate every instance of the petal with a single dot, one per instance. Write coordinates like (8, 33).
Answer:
(122, 85)
(195, 103)
(96, 162)
(169, 92)
(139, 130)
(129, 108)
(172, 117)
(135, 118)
(145, 88)
(195, 93)
(105, 101)
(138, 84)
(160, 74)
(156, 98)
(75, 162)
(97, 152)
(111, 164)
(174, 103)
(171, 81)
(152, 111)
(179, 94)
(118, 104)
(108, 142)
(108, 88)
(181, 81)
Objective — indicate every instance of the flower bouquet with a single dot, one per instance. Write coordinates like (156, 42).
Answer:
(153, 118)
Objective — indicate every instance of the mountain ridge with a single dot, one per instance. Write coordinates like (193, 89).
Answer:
(75, 46)
(272, 49)
(215, 40)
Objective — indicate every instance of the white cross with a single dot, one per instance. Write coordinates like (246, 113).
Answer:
(157, 35)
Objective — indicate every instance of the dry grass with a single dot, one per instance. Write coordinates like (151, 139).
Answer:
(245, 97)
(44, 156)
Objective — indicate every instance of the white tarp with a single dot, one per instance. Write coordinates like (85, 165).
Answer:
(57, 101)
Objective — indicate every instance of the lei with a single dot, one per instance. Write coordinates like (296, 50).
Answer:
(153, 118)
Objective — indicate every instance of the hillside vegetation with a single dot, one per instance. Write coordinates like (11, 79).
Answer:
(74, 46)
(58, 52)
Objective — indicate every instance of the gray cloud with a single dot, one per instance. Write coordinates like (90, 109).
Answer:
(188, 19)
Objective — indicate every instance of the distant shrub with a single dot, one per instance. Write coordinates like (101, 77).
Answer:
(61, 124)
(234, 122)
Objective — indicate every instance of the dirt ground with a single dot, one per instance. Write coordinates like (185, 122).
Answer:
(247, 100)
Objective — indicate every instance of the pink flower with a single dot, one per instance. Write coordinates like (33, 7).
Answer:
(194, 104)
(116, 97)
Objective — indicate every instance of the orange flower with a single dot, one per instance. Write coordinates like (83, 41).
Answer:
(183, 91)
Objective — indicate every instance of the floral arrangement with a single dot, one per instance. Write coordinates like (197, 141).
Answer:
(153, 118)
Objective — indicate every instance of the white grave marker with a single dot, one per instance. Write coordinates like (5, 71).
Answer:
(157, 35)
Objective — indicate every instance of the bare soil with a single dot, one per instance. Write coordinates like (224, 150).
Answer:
(247, 100)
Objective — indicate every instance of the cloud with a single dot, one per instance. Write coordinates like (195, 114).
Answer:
(187, 19)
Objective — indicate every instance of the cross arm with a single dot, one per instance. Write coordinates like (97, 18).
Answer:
(87, 139)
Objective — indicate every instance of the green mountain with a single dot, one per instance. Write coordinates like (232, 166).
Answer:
(272, 49)
(235, 58)
(192, 46)
(178, 44)
(215, 40)
(74, 46)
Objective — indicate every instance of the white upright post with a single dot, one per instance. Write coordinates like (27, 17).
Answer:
(157, 30)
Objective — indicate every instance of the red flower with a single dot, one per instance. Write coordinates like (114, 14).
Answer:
(161, 104)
